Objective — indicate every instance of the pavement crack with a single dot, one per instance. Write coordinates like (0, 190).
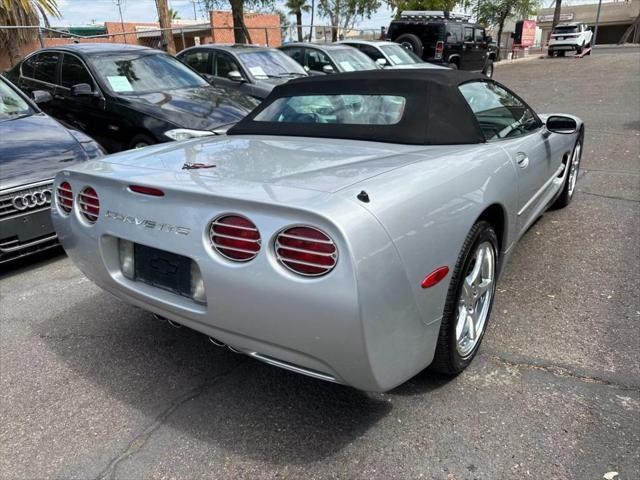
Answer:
(612, 197)
(141, 439)
(563, 372)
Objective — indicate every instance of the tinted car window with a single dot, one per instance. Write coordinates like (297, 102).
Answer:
(29, 66)
(478, 35)
(315, 59)
(566, 29)
(197, 60)
(371, 52)
(468, 34)
(454, 33)
(295, 53)
(74, 72)
(45, 66)
(144, 73)
(499, 113)
(225, 64)
(12, 105)
(335, 109)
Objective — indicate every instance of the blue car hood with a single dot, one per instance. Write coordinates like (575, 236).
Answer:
(35, 148)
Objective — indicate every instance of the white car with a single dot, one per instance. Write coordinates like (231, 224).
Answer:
(389, 54)
(569, 37)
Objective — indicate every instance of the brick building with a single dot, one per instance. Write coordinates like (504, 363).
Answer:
(264, 29)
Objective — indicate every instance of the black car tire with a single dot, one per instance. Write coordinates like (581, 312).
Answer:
(409, 39)
(579, 49)
(566, 196)
(488, 69)
(140, 141)
(550, 53)
(561, 53)
(447, 359)
(453, 66)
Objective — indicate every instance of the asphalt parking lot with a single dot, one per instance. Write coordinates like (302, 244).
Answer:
(93, 388)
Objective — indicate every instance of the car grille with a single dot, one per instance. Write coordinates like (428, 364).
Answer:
(26, 199)
(17, 249)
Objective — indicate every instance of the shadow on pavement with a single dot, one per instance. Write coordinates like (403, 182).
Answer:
(37, 260)
(241, 406)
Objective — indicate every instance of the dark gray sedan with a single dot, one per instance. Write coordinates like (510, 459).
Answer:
(251, 69)
(321, 59)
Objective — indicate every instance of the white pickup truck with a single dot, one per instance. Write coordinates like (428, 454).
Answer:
(569, 37)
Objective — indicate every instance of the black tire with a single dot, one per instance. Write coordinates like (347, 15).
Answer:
(567, 192)
(488, 69)
(561, 53)
(579, 50)
(140, 141)
(447, 359)
(550, 53)
(453, 66)
(411, 42)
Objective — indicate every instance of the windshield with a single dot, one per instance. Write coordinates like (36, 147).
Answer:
(12, 105)
(336, 109)
(350, 60)
(565, 30)
(146, 73)
(399, 55)
(270, 64)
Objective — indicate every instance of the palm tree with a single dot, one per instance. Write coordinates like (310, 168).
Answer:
(296, 7)
(174, 14)
(23, 13)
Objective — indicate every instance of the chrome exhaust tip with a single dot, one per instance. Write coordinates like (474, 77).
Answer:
(158, 317)
(234, 350)
(173, 324)
(217, 342)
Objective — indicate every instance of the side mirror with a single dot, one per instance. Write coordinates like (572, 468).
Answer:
(328, 69)
(81, 90)
(306, 69)
(235, 75)
(41, 96)
(381, 61)
(561, 124)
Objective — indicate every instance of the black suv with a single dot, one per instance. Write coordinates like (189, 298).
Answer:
(444, 38)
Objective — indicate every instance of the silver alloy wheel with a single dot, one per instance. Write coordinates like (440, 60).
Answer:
(575, 165)
(475, 299)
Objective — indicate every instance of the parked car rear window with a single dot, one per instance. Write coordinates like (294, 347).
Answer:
(45, 66)
(135, 73)
(269, 64)
(566, 30)
(12, 105)
(335, 109)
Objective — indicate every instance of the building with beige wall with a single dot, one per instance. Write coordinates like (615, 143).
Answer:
(615, 18)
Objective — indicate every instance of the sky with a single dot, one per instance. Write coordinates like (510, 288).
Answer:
(84, 12)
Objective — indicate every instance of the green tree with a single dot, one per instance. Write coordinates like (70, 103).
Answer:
(240, 31)
(23, 13)
(296, 7)
(496, 12)
(344, 14)
(174, 14)
(401, 5)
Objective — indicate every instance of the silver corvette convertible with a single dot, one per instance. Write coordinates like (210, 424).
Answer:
(351, 228)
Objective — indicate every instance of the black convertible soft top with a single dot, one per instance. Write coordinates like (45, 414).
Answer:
(435, 112)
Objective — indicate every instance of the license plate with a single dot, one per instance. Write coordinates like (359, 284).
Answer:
(163, 269)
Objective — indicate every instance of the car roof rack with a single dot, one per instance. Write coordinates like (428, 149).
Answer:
(433, 14)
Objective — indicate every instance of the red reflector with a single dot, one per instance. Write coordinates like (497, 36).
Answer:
(154, 192)
(435, 277)
(439, 47)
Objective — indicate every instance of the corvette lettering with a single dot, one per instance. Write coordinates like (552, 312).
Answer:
(146, 223)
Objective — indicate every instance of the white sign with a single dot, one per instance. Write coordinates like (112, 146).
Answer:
(564, 17)
(120, 83)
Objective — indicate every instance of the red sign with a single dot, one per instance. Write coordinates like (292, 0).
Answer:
(528, 33)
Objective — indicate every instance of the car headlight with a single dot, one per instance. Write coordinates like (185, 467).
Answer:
(185, 133)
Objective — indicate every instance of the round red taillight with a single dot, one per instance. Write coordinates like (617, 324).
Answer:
(64, 196)
(306, 251)
(89, 204)
(235, 237)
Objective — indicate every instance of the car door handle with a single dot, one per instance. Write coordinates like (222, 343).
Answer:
(522, 159)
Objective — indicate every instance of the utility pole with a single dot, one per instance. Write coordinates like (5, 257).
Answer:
(313, 9)
(165, 25)
(595, 30)
(195, 15)
(119, 4)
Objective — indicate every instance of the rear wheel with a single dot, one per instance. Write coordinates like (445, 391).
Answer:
(579, 49)
(550, 53)
(561, 53)
(469, 301)
(453, 66)
(411, 42)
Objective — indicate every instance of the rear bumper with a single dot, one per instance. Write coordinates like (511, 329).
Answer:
(359, 325)
(566, 46)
